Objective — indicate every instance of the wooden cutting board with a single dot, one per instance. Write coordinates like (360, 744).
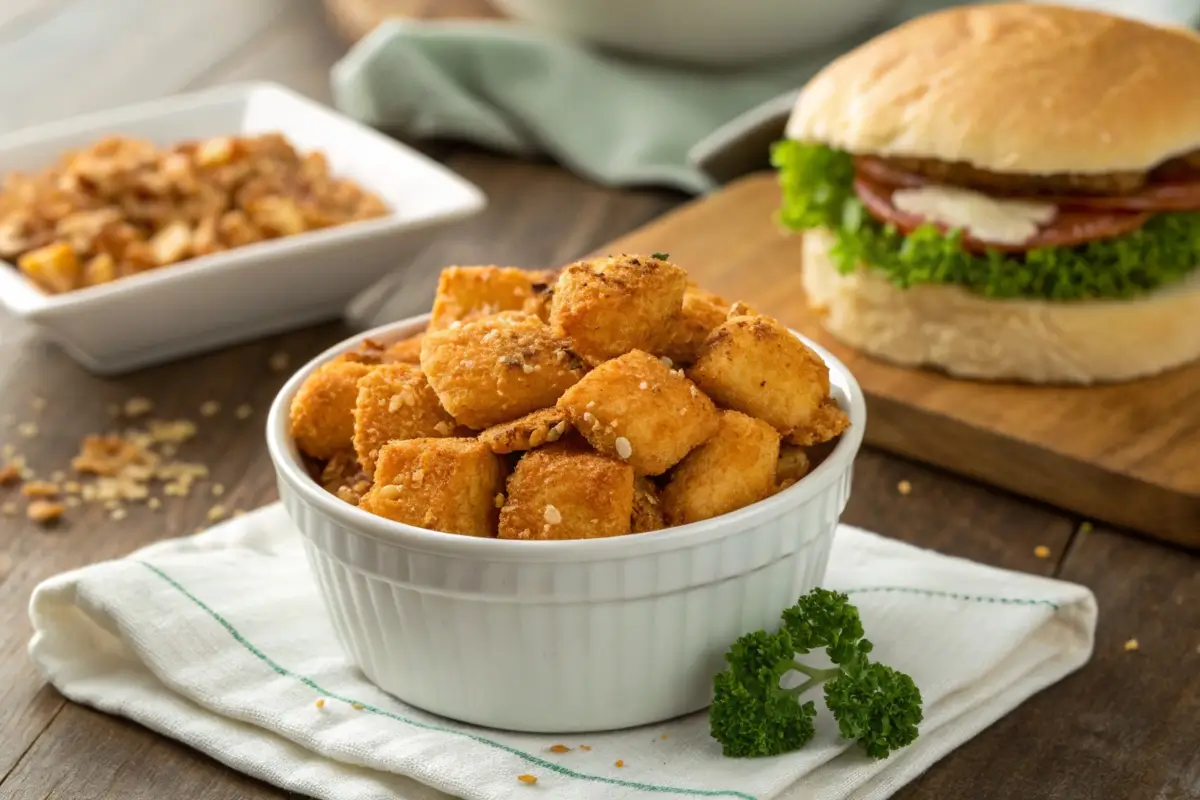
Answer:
(1125, 454)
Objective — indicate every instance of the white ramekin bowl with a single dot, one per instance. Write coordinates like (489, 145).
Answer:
(559, 637)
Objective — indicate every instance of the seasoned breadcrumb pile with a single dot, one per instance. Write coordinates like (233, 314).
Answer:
(611, 397)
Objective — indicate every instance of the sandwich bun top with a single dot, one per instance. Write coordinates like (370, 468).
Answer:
(1016, 88)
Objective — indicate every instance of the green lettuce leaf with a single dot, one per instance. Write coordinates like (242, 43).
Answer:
(818, 192)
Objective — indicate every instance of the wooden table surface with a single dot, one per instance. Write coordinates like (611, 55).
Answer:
(1126, 726)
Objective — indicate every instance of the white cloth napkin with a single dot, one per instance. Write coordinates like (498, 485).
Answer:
(220, 640)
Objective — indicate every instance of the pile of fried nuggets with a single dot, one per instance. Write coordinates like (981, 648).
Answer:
(608, 398)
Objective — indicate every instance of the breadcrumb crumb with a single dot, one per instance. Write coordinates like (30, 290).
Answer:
(9, 474)
(278, 362)
(904, 488)
(44, 512)
(527, 778)
(585, 747)
(243, 411)
(1131, 645)
(1041, 551)
(357, 706)
(210, 408)
(138, 406)
(619, 763)
(320, 702)
(560, 748)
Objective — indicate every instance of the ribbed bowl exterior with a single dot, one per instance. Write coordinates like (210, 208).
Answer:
(565, 646)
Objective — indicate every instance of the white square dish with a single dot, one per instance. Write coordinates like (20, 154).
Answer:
(251, 291)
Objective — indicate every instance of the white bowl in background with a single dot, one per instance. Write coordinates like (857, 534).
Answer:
(707, 32)
(559, 637)
(247, 292)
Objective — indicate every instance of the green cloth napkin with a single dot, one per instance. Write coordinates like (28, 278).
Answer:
(614, 120)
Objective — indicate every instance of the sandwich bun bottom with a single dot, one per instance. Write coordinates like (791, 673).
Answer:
(1032, 341)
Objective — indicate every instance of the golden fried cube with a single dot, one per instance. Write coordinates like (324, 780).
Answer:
(405, 351)
(395, 402)
(702, 312)
(731, 470)
(527, 432)
(496, 369)
(826, 424)
(755, 365)
(467, 292)
(54, 267)
(99, 269)
(793, 465)
(448, 485)
(557, 492)
(322, 412)
(637, 409)
(609, 306)
(647, 507)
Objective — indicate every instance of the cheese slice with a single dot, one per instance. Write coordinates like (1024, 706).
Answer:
(1011, 222)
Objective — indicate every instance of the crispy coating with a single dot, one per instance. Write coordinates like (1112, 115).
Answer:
(828, 423)
(557, 492)
(647, 507)
(368, 351)
(395, 401)
(465, 293)
(447, 485)
(527, 432)
(755, 365)
(740, 309)
(609, 306)
(637, 409)
(322, 412)
(731, 470)
(543, 292)
(343, 477)
(496, 369)
(793, 465)
(405, 351)
(702, 311)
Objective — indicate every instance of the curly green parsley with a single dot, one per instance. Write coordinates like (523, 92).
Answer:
(818, 192)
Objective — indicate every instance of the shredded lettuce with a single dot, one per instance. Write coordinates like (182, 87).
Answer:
(818, 192)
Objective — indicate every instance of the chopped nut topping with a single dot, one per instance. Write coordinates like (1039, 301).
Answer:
(624, 448)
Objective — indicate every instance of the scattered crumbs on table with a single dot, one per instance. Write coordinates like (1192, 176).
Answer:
(278, 361)
(357, 706)
(320, 702)
(243, 411)
(154, 504)
(585, 747)
(210, 408)
(9, 473)
(118, 514)
(137, 406)
(1085, 527)
(619, 763)
(218, 489)
(1041, 551)
(560, 748)
(1131, 645)
(527, 778)
(216, 513)
(664, 737)
(44, 512)
(904, 488)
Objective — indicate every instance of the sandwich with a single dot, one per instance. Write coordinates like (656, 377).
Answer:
(1005, 192)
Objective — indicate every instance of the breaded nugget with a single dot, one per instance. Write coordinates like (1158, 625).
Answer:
(447, 485)
(755, 365)
(826, 424)
(405, 351)
(530, 431)
(343, 477)
(496, 369)
(731, 470)
(322, 413)
(368, 351)
(793, 465)
(395, 402)
(609, 306)
(472, 292)
(740, 309)
(702, 311)
(647, 507)
(637, 409)
(557, 492)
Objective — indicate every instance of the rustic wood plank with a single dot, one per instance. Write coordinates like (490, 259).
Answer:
(1124, 454)
(354, 19)
(1125, 726)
